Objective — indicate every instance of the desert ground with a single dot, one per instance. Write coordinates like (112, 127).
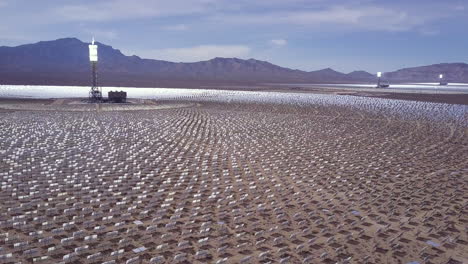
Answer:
(320, 179)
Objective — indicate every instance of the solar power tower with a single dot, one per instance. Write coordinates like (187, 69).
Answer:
(379, 76)
(95, 94)
(442, 81)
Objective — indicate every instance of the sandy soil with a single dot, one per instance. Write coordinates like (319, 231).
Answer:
(231, 183)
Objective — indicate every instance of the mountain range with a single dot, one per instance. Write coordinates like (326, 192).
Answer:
(65, 62)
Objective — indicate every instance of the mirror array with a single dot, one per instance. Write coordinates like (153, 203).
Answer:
(236, 179)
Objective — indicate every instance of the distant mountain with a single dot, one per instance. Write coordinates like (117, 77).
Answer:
(65, 62)
(361, 75)
(453, 72)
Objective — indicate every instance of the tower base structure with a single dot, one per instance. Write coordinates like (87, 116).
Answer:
(95, 95)
(117, 97)
(383, 85)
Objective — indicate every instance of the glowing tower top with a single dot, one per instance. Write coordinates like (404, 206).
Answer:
(93, 53)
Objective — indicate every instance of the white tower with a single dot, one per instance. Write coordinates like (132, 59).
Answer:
(95, 94)
(441, 80)
(379, 76)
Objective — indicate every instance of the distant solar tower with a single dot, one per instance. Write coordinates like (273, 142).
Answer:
(95, 95)
(441, 80)
(379, 76)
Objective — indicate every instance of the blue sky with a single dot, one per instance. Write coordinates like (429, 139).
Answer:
(346, 35)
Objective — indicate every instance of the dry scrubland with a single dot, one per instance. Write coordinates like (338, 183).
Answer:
(239, 182)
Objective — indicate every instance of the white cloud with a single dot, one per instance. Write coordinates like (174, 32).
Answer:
(430, 32)
(7, 34)
(347, 14)
(364, 17)
(136, 9)
(279, 42)
(197, 53)
(179, 27)
(100, 34)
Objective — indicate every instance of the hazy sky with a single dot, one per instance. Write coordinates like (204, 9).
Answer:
(346, 35)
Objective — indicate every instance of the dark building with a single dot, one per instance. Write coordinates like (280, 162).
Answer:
(117, 97)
